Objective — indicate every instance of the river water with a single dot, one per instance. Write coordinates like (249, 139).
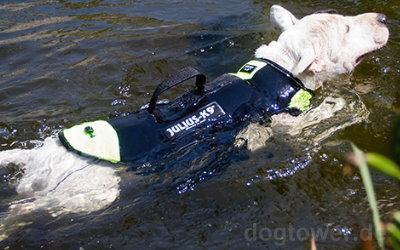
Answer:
(67, 61)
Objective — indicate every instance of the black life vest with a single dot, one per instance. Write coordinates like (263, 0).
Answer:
(257, 91)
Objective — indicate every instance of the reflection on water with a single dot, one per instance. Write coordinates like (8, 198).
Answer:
(63, 62)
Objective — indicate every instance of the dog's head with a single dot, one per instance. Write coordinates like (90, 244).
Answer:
(326, 43)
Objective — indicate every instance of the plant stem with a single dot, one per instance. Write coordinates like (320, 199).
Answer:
(366, 177)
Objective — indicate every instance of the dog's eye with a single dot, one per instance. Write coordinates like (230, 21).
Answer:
(347, 29)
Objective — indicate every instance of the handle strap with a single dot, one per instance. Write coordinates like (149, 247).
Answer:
(177, 78)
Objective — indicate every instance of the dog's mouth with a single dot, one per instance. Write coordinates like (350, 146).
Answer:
(363, 56)
(368, 53)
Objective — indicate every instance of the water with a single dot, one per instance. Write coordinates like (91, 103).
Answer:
(64, 62)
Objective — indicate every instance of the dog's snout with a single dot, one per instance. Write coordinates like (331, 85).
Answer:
(381, 18)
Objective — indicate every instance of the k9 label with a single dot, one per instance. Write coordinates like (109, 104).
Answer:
(206, 114)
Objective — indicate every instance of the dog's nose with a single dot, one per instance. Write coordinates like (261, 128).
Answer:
(381, 18)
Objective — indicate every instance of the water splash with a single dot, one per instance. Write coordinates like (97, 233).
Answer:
(293, 166)
(56, 179)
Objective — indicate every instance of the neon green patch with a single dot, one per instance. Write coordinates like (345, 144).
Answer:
(97, 138)
(247, 71)
(301, 100)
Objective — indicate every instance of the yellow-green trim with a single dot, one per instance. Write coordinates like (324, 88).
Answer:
(257, 64)
(102, 143)
(301, 100)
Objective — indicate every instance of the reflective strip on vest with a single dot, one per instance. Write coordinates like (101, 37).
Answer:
(301, 100)
(247, 71)
(97, 138)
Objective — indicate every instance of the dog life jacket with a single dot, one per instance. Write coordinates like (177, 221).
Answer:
(258, 90)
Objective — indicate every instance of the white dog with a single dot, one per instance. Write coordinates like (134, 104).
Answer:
(313, 48)
(317, 48)
(323, 45)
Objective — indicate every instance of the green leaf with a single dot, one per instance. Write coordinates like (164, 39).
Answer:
(396, 140)
(383, 164)
(394, 235)
(396, 219)
(366, 178)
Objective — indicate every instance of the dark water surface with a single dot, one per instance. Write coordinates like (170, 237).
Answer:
(63, 62)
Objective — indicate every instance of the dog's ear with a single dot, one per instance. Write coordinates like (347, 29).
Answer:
(308, 63)
(281, 18)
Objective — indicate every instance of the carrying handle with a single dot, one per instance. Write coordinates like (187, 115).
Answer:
(177, 78)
